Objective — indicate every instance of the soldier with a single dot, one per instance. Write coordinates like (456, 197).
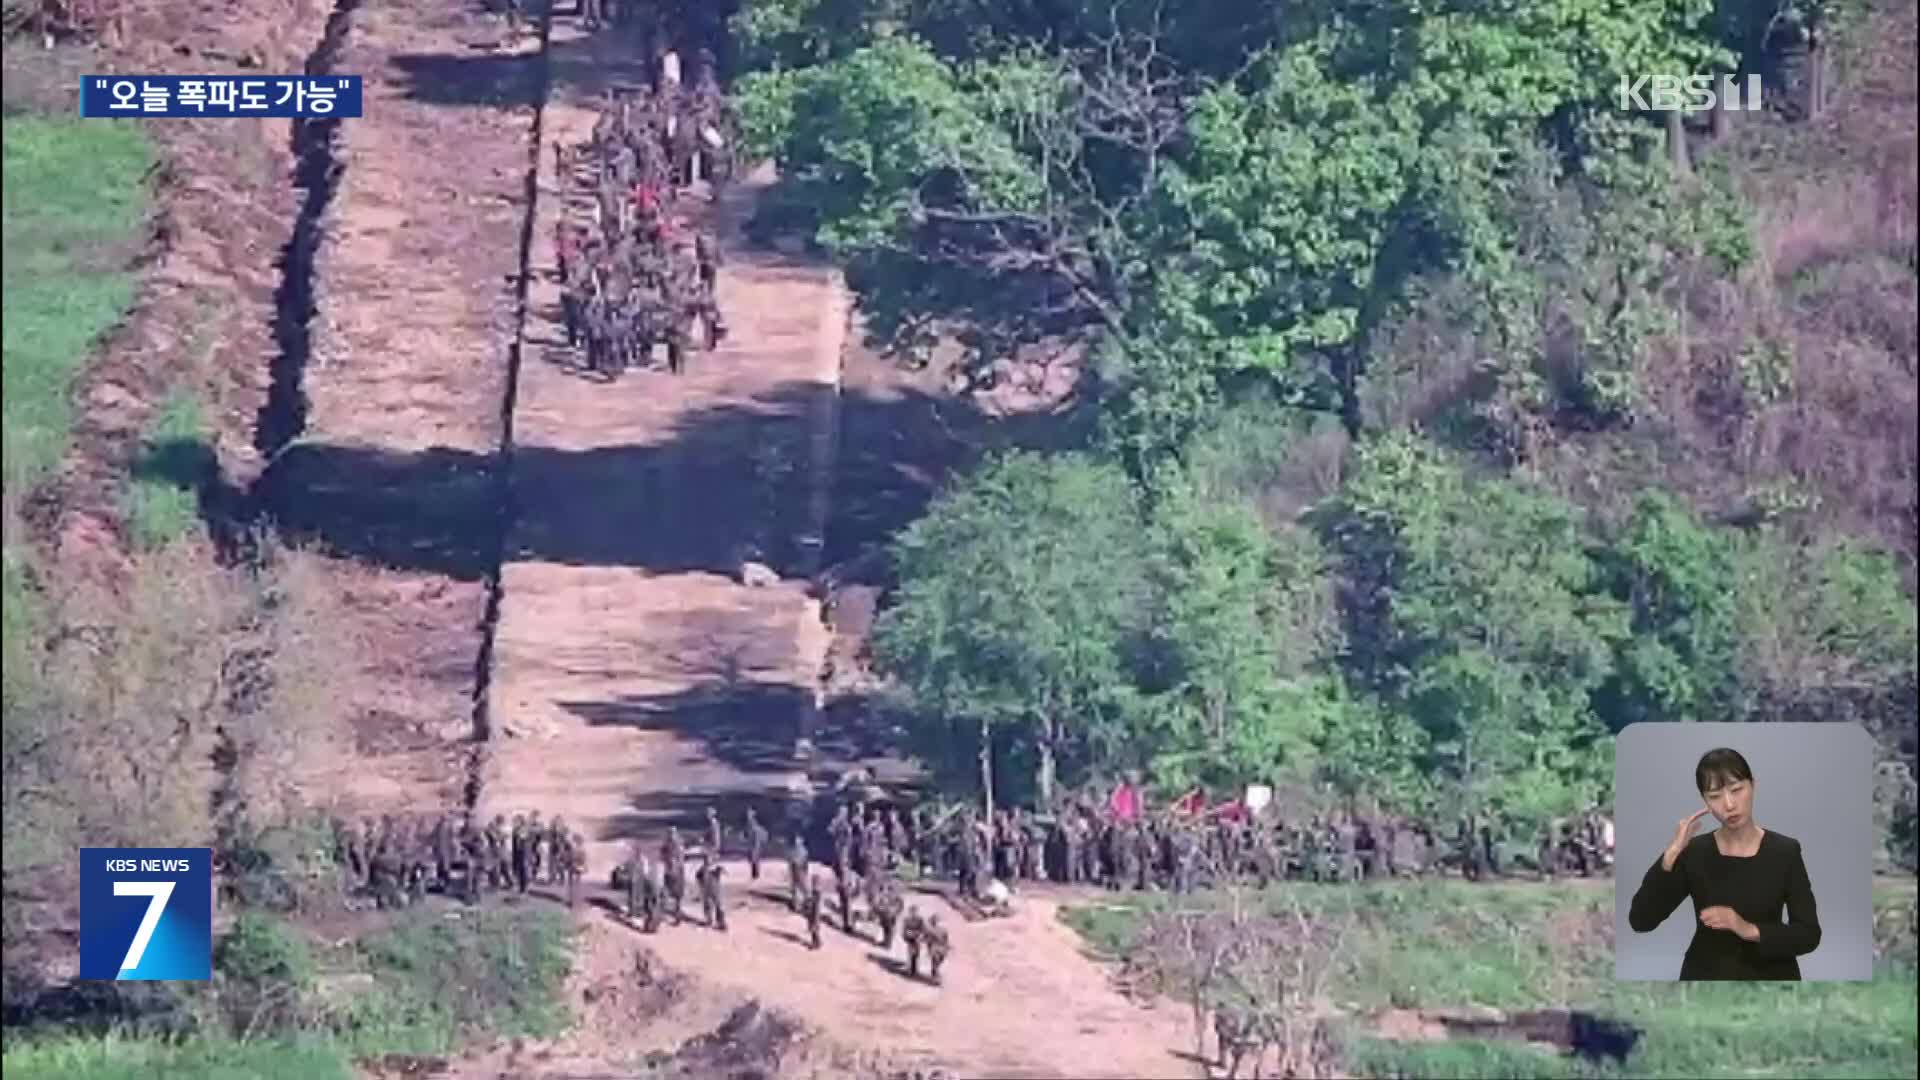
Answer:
(937, 947)
(497, 851)
(713, 832)
(845, 882)
(652, 896)
(522, 851)
(369, 845)
(886, 911)
(914, 932)
(797, 860)
(1070, 841)
(841, 832)
(898, 844)
(386, 877)
(538, 852)
(473, 846)
(673, 858)
(709, 878)
(634, 877)
(1467, 850)
(756, 843)
(443, 839)
(349, 856)
(1550, 849)
(810, 907)
(1235, 1031)
(560, 850)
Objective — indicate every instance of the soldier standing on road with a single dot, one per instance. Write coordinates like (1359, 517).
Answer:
(797, 860)
(565, 848)
(914, 933)
(710, 906)
(713, 832)
(634, 868)
(937, 947)
(886, 911)
(898, 848)
(576, 863)
(673, 857)
(541, 849)
(845, 883)
(756, 844)
(841, 831)
(473, 846)
(810, 907)
(497, 851)
(652, 895)
(522, 848)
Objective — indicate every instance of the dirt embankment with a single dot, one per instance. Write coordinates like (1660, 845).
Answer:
(398, 381)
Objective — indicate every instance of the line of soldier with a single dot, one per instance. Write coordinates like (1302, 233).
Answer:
(640, 276)
(1082, 845)
(397, 860)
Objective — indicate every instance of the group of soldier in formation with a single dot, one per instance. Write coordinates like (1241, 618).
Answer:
(862, 874)
(641, 274)
(396, 859)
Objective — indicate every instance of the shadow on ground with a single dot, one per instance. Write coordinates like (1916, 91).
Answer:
(689, 504)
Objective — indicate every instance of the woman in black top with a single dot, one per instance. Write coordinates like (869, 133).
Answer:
(1739, 877)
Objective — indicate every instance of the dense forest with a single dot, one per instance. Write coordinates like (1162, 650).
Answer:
(1444, 416)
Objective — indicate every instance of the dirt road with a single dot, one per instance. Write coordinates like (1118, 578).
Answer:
(635, 677)
(635, 681)
(392, 393)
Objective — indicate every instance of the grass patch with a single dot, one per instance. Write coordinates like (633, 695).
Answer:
(70, 217)
(1452, 944)
(75, 1057)
(161, 500)
(438, 978)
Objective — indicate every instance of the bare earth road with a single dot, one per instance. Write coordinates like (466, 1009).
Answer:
(635, 681)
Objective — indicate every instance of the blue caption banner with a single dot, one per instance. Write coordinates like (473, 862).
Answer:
(146, 913)
(299, 96)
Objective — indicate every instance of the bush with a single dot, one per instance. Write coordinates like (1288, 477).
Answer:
(264, 971)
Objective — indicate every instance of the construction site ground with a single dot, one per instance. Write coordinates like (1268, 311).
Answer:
(632, 680)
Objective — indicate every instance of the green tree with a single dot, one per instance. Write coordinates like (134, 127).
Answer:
(1476, 609)
(1238, 690)
(1021, 591)
(1676, 576)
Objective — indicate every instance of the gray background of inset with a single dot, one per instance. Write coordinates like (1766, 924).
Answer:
(1813, 782)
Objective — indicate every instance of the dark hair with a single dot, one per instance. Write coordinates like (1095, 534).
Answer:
(1718, 766)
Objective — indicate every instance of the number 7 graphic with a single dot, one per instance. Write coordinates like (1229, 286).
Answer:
(160, 892)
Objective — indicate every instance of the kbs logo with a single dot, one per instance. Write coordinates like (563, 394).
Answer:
(146, 913)
(1689, 93)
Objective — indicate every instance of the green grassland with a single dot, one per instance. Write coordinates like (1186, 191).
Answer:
(284, 1005)
(1511, 946)
(71, 211)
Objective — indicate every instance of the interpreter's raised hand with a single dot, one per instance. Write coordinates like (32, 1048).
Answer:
(1681, 835)
(1722, 917)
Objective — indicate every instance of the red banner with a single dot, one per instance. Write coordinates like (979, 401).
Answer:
(1191, 803)
(1124, 803)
